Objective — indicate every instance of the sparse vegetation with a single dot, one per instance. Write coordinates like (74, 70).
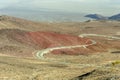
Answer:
(115, 62)
(23, 66)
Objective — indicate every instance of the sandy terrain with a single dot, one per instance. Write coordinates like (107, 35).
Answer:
(60, 67)
(18, 60)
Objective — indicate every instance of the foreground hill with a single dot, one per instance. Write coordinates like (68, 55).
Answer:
(95, 67)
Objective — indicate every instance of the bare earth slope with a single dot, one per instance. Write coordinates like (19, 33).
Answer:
(17, 42)
(20, 40)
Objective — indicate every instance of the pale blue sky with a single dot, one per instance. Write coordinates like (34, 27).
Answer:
(105, 7)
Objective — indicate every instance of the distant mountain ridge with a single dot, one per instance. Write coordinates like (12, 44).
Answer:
(101, 17)
(96, 16)
(115, 17)
(43, 14)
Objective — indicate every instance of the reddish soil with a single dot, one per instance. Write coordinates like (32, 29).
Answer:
(43, 40)
(49, 39)
(16, 36)
(22, 40)
(25, 40)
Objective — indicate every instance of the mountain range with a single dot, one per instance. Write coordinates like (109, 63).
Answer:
(101, 17)
(48, 15)
(43, 15)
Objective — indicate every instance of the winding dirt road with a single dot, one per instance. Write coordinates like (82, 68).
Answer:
(40, 53)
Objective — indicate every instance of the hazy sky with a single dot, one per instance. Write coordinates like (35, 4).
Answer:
(105, 7)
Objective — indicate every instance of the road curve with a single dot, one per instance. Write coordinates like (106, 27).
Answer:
(40, 53)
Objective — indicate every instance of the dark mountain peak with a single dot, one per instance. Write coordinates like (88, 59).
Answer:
(115, 17)
(96, 16)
